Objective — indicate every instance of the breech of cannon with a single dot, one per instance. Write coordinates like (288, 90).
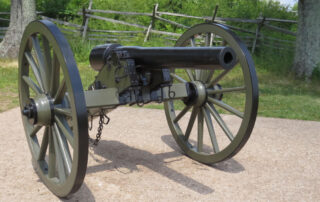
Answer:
(167, 57)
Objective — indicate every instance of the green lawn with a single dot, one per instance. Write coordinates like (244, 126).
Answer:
(280, 96)
(8, 85)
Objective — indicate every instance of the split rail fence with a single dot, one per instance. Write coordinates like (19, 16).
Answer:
(253, 38)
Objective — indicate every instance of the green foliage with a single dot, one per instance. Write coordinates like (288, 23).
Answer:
(316, 73)
(4, 7)
(66, 9)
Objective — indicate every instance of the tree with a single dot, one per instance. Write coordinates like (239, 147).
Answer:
(307, 54)
(21, 13)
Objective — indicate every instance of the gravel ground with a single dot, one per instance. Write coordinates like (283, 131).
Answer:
(138, 160)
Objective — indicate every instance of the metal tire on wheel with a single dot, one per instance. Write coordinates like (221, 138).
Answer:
(53, 108)
(215, 88)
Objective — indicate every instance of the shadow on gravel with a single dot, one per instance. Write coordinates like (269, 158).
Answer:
(84, 194)
(230, 165)
(119, 155)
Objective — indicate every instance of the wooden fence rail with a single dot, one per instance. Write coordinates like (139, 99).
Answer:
(253, 38)
(261, 23)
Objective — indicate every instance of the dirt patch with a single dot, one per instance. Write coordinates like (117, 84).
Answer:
(9, 63)
(138, 160)
(8, 100)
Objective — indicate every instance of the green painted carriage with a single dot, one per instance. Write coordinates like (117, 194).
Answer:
(208, 64)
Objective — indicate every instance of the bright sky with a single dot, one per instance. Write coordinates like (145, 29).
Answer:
(288, 2)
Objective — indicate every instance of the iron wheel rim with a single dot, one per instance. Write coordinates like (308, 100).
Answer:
(251, 103)
(62, 53)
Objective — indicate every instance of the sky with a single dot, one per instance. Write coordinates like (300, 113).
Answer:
(288, 2)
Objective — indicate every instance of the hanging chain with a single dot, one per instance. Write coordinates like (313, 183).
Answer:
(103, 120)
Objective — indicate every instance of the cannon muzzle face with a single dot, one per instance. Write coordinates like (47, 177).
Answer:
(227, 58)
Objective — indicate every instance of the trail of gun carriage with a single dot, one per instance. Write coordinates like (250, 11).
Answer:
(159, 100)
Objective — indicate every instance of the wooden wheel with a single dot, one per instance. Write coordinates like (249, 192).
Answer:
(232, 91)
(53, 108)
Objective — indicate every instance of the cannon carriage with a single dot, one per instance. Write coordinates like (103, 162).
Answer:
(188, 77)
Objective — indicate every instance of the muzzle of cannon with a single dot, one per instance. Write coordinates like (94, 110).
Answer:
(208, 78)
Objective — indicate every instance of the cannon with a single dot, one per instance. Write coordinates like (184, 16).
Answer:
(209, 72)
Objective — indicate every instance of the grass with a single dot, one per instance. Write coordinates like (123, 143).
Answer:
(280, 96)
(8, 85)
(285, 97)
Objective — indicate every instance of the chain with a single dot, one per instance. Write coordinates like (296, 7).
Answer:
(102, 121)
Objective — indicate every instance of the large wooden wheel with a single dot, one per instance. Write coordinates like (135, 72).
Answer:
(53, 108)
(232, 91)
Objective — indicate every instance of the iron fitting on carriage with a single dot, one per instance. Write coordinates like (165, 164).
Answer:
(39, 111)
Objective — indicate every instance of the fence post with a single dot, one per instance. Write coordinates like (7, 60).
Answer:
(260, 24)
(155, 9)
(215, 13)
(85, 21)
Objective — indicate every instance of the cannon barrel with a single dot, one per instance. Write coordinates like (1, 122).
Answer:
(168, 57)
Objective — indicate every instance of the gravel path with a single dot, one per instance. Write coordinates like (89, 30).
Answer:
(138, 160)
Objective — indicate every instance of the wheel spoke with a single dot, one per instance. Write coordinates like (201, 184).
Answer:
(60, 162)
(202, 74)
(47, 60)
(34, 68)
(191, 122)
(63, 111)
(52, 156)
(42, 67)
(44, 144)
(178, 78)
(214, 81)
(181, 114)
(35, 130)
(66, 157)
(190, 74)
(212, 38)
(65, 130)
(207, 74)
(226, 107)
(220, 121)
(61, 92)
(32, 85)
(211, 130)
(193, 42)
(208, 41)
(197, 72)
(55, 75)
(47, 52)
(200, 132)
(226, 90)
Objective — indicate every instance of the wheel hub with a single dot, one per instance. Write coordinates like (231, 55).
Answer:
(198, 94)
(217, 96)
(39, 111)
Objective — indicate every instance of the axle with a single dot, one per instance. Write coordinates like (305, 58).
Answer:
(167, 57)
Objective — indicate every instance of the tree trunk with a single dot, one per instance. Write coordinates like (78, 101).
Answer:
(307, 55)
(22, 12)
